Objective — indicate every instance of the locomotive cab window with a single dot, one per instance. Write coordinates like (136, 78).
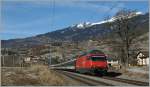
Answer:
(98, 58)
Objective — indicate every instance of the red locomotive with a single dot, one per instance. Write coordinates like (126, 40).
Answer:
(92, 62)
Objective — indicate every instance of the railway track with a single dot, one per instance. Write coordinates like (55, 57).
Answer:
(138, 83)
(108, 81)
(85, 80)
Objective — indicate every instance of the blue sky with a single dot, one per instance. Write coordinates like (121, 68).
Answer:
(26, 18)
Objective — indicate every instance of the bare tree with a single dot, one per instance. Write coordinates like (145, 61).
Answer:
(123, 26)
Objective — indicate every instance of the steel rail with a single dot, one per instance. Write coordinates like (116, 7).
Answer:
(88, 81)
(128, 81)
(134, 82)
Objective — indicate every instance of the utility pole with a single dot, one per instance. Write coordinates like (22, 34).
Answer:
(52, 26)
(49, 58)
(3, 60)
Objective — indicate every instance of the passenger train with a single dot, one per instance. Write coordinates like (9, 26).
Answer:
(94, 61)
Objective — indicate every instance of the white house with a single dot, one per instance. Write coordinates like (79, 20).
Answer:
(143, 58)
(27, 59)
(113, 63)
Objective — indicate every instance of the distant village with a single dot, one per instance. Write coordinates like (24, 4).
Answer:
(57, 52)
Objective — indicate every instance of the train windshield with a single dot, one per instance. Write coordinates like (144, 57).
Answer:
(98, 58)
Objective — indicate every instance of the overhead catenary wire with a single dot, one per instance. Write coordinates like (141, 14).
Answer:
(106, 14)
(51, 26)
(53, 14)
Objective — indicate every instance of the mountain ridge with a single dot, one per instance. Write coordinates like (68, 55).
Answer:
(71, 33)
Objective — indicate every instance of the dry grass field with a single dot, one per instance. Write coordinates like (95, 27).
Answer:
(32, 76)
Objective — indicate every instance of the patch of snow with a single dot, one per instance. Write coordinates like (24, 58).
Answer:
(138, 13)
(135, 14)
(88, 24)
(114, 18)
(80, 25)
(101, 22)
(83, 25)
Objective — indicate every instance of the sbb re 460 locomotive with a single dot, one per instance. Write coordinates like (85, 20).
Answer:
(92, 62)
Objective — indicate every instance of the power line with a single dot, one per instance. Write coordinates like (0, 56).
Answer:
(111, 8)
(53, 14)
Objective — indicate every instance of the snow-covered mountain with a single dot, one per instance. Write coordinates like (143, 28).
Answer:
(79, 32)
(88, 24)
(82, 25)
